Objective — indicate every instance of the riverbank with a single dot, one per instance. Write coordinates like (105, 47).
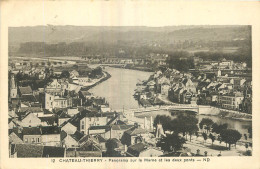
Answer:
(223, 113)
(107, 76)
(145, 69)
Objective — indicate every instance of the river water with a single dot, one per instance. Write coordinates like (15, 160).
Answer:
(119, 90)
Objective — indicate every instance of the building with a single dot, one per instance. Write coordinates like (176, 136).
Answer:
(50, 136)
(54, 88)
(165, 88)
(31, 120)
(52, 101)
(86, 122)
(35, 151)
(32, 135)
(25, 91)
(13, 88)
(143, 150)
(231, 101)
(134, 135)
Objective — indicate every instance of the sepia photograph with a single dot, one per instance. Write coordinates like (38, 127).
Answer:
(129, 84)
(130, 91)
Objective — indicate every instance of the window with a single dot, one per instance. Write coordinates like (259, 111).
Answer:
(38, 140)
(50, 98)
(33, 141)
(82, 125)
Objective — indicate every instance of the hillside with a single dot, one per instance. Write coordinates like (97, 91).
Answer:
(54, 34)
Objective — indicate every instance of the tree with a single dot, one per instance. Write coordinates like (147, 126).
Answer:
(197, 134)
(207, 122)
(213, 138)
(172, 142)
(111, 145)
(230, 136)
(218, 128)
(205, 137)
(192, 129)
(164, 120)
(184, 124)
(65, 74)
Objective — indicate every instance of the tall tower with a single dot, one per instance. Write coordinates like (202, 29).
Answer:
(13, 88)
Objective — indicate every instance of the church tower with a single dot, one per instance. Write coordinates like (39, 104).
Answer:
(13, 88)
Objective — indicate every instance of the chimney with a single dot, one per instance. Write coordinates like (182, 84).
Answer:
(145, 122)
(151, 122)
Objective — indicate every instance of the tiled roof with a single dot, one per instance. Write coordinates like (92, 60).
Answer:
(121, 127)
(100, 138)
(136, 149)
(49, 120)
(135, 131)
(31, 109)
(77, 135)
(106, 128)
(28, 98)
(50, 130)
(64, 115)
(28, 150)
(31, 131)
(50, 151)
(25, 90)
(36, 151)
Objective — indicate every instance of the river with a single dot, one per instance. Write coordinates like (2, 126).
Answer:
(119, 89)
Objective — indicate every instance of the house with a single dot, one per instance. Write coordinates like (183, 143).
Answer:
(38, 111)
(74, 74)
(84, 95)
(82, 80)
(134, 135)
(104, 108)
(165, 88)
(103, 131)
(25, 91)
(143, 150)
(231, 101)
(189, 86)
(160, 81)
(71, 140)
(63, 117)
(97, 120)
(72, 111)
(15, 136)
(117, 131)
(12, 124)
(50, 135)
(186, 97)
(54, 88)
(73, 87)
(151, 85)
(52, 101)
(32, 135)
(35, 151)
(68, 128)
(31, 120)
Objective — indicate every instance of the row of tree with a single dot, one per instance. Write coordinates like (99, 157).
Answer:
(188, 125)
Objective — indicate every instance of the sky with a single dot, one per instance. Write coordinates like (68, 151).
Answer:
(125, 13)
